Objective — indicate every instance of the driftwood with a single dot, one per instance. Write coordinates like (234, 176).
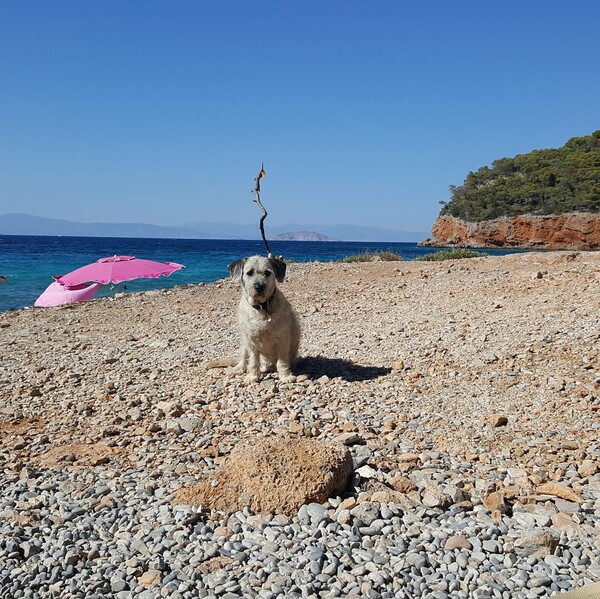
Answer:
(256, 192)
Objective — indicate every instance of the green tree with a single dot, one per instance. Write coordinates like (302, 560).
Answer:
(550, 181)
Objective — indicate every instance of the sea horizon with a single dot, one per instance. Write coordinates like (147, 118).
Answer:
(30, 261)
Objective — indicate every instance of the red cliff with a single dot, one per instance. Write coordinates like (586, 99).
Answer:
(570, 231)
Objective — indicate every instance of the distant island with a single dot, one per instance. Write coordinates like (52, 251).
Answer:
(302, 236)
(547, 199)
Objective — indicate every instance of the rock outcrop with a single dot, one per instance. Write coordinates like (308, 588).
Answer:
(570, 231)
(275, 475)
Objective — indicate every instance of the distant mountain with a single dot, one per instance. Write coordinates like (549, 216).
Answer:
(359, 233)
(26, 224)
(302, 236)
(341, 232)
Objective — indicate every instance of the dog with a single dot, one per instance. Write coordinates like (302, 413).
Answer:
(269, 327)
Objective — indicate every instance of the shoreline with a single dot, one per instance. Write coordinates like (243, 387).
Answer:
(339, 261)
(205, 260)
(468, 378)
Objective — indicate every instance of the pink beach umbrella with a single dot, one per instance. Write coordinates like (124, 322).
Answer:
(116, 269)
(57, 295)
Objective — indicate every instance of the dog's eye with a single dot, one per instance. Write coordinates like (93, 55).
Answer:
(250, 272)
(267, 273)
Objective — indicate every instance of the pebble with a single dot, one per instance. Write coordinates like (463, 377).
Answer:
(116, 551)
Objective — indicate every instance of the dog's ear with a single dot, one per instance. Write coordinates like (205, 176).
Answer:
(235, 269)
(279, 268)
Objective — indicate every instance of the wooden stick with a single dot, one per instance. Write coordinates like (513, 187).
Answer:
(256, 192)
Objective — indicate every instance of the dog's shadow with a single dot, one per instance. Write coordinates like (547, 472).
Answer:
(316, 366)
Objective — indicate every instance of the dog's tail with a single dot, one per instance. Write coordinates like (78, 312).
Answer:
(223, 363)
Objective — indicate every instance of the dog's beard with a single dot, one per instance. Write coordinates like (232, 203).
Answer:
(257, 298)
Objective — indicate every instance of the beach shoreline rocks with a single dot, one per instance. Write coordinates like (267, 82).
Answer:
(466, 392)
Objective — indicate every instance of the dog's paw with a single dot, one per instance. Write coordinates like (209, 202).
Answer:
(287, 378)
(252, 378)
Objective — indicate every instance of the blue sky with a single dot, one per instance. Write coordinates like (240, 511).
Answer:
(364, 112)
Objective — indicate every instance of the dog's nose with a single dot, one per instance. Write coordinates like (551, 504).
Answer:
(259, 287)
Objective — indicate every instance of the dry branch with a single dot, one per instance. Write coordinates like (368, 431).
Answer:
(256, 192)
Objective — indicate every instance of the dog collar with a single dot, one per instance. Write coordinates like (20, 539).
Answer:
(266, 305)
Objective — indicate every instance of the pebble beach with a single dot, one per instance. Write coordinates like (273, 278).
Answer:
(467, 391)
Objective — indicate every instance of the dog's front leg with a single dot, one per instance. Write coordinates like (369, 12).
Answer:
(240, 367)
(283, 369)
(253, 366)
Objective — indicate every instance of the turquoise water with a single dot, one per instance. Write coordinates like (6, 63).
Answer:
(29, 262)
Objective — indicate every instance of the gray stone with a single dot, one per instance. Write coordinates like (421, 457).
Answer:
(316, 512)
(457, 542)
(434, 497)
(367, 511)
(191, 422)
(537, 543)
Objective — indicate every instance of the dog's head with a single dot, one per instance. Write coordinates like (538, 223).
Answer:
(258, 276)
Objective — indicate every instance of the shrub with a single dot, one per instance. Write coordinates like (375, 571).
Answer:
(450, 255)
(384, 256)
(389, 256)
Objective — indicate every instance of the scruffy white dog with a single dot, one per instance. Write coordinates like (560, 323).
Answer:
(268, 325)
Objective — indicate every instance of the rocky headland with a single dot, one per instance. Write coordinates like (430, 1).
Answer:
(572, 231)
(466, 395)
(545, 199)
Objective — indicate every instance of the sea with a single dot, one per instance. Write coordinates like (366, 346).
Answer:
(29, 262)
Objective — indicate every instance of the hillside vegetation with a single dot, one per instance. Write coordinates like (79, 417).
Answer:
(543, 182)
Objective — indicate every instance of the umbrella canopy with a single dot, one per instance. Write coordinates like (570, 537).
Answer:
(57, 295)
(117, 269)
